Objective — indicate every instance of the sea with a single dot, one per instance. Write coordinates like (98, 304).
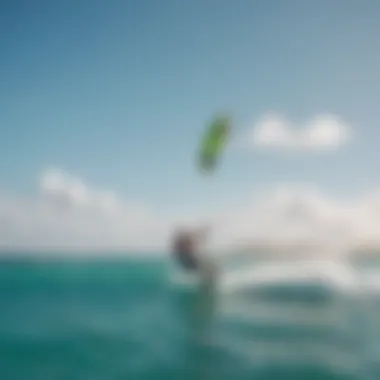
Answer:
(126, 318)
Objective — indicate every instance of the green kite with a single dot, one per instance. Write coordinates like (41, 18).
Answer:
(213, 143)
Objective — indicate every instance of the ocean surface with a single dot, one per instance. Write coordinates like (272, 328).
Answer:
(127, 319)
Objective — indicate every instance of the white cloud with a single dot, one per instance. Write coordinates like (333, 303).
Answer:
(301, 217)
(324, 132)
(68, 214)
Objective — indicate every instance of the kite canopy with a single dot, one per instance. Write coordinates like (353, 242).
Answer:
(213, 143)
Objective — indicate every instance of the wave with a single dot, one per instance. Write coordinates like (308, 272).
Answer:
(335, 277)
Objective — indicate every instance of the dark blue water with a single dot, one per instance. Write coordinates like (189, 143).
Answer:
(121, 319)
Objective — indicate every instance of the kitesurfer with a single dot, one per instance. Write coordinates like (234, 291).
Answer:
(186, 251)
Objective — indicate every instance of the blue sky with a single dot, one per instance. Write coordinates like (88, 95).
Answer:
(118, 92)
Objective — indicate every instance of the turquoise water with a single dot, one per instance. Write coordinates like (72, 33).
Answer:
(122, 319)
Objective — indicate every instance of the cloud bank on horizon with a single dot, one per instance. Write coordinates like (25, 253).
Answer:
(68, 214)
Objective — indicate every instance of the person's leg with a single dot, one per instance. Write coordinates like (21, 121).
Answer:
(208, 271)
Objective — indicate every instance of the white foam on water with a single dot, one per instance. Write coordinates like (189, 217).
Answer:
(183, 280)
(338, 276)
(331, 273)
(369, 281)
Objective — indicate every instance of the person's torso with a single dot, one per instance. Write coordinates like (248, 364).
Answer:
(184, 251)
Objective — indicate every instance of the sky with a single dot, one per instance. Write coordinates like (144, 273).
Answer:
(103, 105)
